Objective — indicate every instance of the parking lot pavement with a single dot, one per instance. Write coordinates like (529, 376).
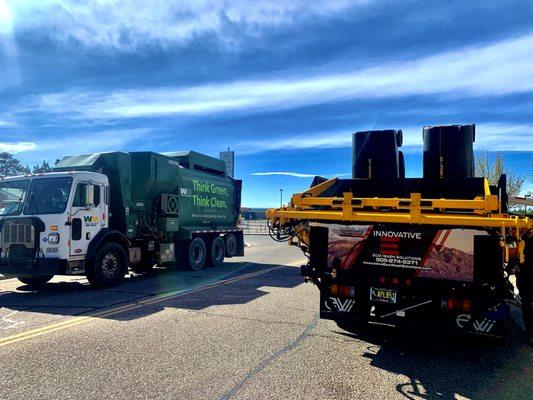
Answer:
(248, 330)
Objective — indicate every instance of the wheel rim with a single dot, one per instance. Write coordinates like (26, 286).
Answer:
(110, 265)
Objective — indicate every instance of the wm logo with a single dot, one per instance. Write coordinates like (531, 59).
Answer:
(90, 219)
(341, 305)
(484, 325)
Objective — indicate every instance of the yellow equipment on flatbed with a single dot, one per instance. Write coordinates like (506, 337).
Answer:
(393, 250)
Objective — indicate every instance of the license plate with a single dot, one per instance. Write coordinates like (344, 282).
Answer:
(383, 295)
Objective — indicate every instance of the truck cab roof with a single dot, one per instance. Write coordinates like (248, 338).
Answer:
(83, 175)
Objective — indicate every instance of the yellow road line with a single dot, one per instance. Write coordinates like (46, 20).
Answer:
(29, 334)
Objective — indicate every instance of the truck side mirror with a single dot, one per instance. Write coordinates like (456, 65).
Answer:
(89, 197)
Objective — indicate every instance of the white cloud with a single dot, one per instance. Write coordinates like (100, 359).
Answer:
(493, 70)
(97, 141)
(6, 124)
(504, 137)
(295, 174)
(127, 24)
(412, 136)
(490, 136)
(17, 147)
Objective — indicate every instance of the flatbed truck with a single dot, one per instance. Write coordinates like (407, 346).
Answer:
(435, 252)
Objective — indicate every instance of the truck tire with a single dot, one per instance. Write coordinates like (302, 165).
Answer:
(231, 245)
(35, 282)
(109, 266)
(195, 254)
(218, 249)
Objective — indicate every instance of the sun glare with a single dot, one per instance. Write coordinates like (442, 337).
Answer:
(6, 17)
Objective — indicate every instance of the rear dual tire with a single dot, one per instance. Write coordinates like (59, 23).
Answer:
(231, 245)
(196, 254)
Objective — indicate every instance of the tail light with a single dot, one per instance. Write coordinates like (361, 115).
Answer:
(342, 290)
(460, 305)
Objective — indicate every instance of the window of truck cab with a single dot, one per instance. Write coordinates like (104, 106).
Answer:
(80, 195)
(48, 196)
(12, 196)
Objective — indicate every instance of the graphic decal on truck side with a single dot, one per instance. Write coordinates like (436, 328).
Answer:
(482, 325)
(428, 252)
(340, 305)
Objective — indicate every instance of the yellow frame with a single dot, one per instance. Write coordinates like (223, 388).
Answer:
(481, 212)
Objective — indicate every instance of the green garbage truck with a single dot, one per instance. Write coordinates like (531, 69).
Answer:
(103, 213)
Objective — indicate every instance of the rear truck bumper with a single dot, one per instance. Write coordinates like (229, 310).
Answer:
(32, 267)
(422, 312)
(424, 308)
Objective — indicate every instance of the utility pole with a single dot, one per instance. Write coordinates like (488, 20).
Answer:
(281, 198)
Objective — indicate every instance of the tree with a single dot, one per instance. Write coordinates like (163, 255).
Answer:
(492, 169)
(42, 168)
(10, 166)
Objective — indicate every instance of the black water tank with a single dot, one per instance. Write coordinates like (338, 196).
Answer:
(449, 151)
(375, 154)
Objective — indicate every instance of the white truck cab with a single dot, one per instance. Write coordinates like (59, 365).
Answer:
(48, 221)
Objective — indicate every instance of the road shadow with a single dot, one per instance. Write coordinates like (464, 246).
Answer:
(193, 290)
(441, 365)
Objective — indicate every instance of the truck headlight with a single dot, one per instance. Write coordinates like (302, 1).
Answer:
(53, 238)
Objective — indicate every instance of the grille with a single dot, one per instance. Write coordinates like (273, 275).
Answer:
(17, 233)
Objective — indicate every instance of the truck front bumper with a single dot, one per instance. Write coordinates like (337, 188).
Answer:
(32, 267)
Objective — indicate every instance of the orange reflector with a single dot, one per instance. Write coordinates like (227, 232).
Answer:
(54, 228)
(334, 289)
(395, 281)
(467, 305)
(382, 280)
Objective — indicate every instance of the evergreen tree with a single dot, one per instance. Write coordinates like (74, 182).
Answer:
(42, 168)
(10, 166)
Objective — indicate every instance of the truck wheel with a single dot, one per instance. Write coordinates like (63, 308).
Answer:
(231, 245)
(109, 266)
(217, 252)
(35, 281)
(195, 254)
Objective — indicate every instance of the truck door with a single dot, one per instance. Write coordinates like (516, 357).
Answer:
(87, 216)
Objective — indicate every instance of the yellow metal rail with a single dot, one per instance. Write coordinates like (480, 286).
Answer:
(483, 211)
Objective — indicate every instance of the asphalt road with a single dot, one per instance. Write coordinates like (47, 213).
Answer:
(248, 330)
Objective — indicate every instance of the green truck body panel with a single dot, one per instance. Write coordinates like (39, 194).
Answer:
(143, 186)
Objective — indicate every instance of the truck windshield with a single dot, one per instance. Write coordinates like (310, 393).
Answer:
(12, 195)
(48, 196)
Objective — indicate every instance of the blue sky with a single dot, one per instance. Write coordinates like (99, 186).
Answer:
(282, 83)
